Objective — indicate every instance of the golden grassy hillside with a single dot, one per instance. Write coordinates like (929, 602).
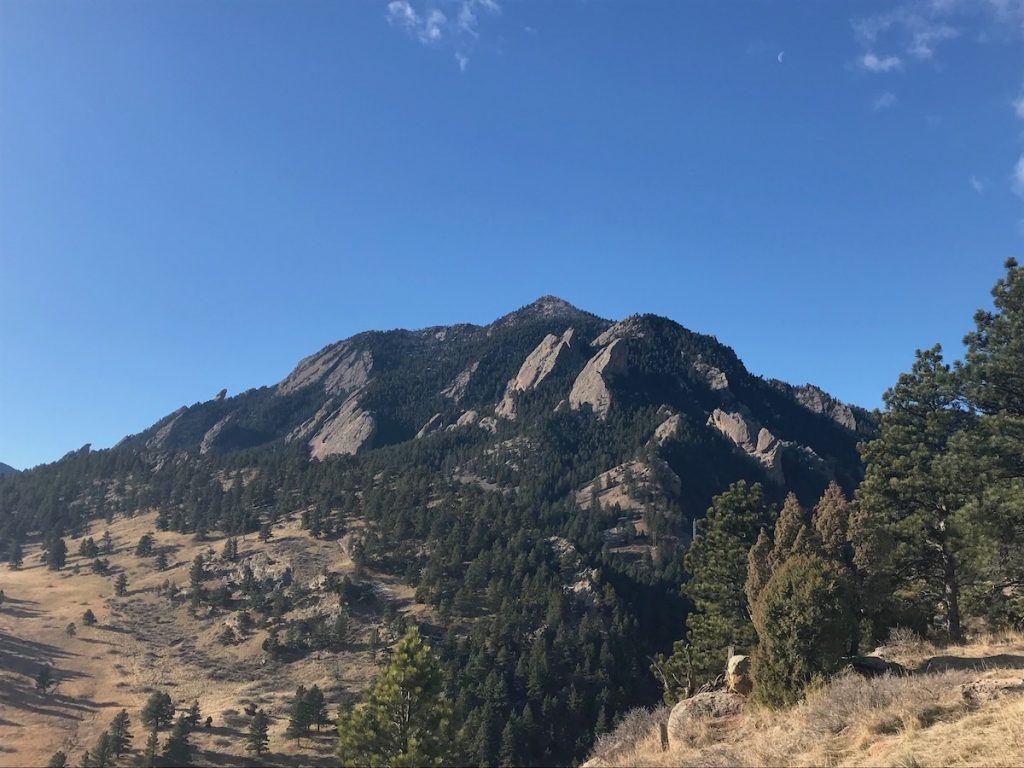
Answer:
(142, 643)
(960, 706)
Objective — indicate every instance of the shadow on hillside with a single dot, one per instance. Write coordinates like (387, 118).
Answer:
(999, 661)
(24, 657)
(16, 695)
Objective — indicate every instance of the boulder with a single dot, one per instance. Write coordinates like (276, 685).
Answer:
(981, 691)
(737, 675)
(703, 706)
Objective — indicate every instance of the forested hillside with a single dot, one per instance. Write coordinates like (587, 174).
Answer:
(533, 482)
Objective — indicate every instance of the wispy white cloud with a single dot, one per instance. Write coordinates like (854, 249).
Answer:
(873, 63)
(451, 23)
(884, 100)
(1018, 106)
(976, 184)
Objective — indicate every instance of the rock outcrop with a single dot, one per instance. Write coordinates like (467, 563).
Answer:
(159, 440)
(433, 424)
(467, 419)
(539, 364)
(340, 368)
(670, 429)
(591, 386)
(210, 438)
(710, 375)
(753, 439)
(348, 430)
(629, 485)
(457, 389)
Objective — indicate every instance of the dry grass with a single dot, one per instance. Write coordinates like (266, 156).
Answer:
(142, 643)
(964, 707)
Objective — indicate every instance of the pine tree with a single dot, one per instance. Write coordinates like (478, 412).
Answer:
(58, 760)
(194, 714)
(56, 553)
(121, 585)
(258, 739)
(787, 528)
(149, 757)
(404, 718)
(316, 707)
(14, 555)
(806, 622)
(717, 563)
(44, 679)
(88, 617)
(145, 546)
(914, 506)
(831, 522)
(178, 750)
(300, 717)
(265, 533)
(102, 755)
(158, 711)
(758, 568)
(107, 543)
(161, 561)
(71, 630)
(120, 733)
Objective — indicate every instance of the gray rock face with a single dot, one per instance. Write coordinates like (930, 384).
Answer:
(713, 377)
(340, 369)
(213, 433)
(348, 430)
(670, 429)
(815, 399)
(159, 440)
(752, 439)
(457, 389)
(624, 329)
(539, 364)
(264, 570)
(591, 386)
(432, 425)
(468, 419)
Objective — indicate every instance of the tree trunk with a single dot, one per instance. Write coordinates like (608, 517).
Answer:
(951, 596)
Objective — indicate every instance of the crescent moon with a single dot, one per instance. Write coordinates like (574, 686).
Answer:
(781, 54)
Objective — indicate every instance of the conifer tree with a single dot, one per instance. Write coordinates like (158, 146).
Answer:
(88, 617)
(71, 630)
(145, 546)
(404, 718)
(102, 755)
(300, 717)
(121, 585)
(149, 756)
(58, 760)
(717, 563)
(316, 706)
(120, 733)
(56, 553)
(258, 740)
(44, 679)
(178, 750)
(14, 555)
(831, 522)
(806, 622)
(913, 506)
(194, 714)
(158, 711)
(758, 568)
(787, 529)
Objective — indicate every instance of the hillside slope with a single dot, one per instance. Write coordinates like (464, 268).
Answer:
(960, 706)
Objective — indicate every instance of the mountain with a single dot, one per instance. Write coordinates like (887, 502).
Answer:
(547, 361)
(523, 492)
(6, 469)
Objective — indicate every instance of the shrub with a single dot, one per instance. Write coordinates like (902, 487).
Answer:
(806, 622)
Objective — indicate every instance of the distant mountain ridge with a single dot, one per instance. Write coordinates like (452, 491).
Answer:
(7, 469)
(381, 388)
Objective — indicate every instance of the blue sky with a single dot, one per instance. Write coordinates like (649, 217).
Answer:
(195, 194)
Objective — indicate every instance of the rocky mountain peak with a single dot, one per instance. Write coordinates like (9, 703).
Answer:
(546, 307)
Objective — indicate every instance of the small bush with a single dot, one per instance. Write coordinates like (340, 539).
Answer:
(806, 622)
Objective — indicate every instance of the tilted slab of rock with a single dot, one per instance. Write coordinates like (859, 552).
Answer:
(624, 329)
(340, 368)
(816, 399)
(591, 386)
(213, 433)
(432, 425)
(539, 364)
(468, 419)
(348, 430)
(753, 439)
(457, 389)
(670, 429)
(159, 440)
